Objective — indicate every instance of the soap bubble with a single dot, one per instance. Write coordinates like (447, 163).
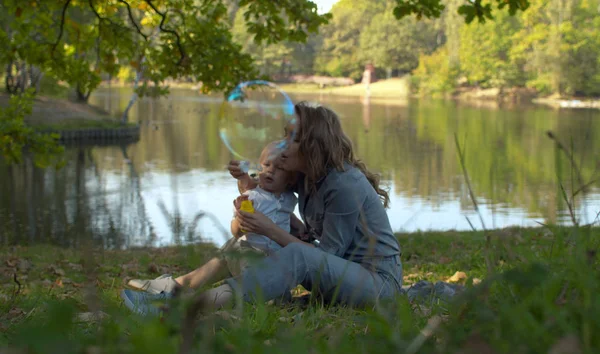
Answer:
(254, 114)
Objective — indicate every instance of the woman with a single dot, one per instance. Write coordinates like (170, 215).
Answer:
(357, 259)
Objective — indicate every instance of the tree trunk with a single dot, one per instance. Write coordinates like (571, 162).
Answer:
(82, 96)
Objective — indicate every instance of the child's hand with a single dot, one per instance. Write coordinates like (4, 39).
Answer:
(236, 170)
(237, 202)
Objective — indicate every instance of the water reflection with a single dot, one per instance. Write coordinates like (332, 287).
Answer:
(152, 192)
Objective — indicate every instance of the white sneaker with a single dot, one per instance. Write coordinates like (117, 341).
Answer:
(163, 284)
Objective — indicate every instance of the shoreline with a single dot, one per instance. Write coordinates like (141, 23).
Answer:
(396, 91)
(76, 122)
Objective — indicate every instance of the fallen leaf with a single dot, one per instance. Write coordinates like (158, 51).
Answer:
(15, 312)
(412, 276)
(12, 262)
(56, 271)
(153, 268)
(59, 283)
(444, 260)
(457, 277)
(23, 265)
(75, 266)
(476, 281)
(93, 350)
(569, 344)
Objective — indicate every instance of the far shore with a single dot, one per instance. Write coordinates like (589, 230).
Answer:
(396, 91)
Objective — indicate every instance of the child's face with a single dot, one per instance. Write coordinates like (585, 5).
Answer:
(272, 178)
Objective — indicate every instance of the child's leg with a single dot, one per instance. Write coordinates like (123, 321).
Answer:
(213, 271)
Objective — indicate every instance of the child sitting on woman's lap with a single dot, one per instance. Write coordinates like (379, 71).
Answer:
(272, 197)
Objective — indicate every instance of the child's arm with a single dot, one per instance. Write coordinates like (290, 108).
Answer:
(236, 230)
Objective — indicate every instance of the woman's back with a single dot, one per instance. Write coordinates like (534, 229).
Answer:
(357, 226)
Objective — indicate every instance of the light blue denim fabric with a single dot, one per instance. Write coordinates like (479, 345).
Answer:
(335, 279)
(357, 259)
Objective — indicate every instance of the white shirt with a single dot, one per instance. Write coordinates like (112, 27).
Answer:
(278, 209)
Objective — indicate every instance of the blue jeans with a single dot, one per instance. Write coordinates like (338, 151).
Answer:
(336, 279)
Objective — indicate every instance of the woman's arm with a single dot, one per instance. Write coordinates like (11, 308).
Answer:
(297, 226)
(258, 223)
(283, 238)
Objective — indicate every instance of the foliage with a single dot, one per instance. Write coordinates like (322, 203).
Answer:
(434, 75)
(489, 43)
(540, 297)
(340, 54)
(16, 136)
(76, 41)
(471, 10)
(553, 47)
(396, 44)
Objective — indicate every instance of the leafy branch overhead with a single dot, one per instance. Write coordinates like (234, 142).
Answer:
(178, 39)
(470, 10)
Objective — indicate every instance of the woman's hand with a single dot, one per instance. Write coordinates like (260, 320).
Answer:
(256, 223)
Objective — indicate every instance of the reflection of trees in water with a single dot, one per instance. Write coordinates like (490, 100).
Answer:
(74, 205)
(510, 160)
(70, 206)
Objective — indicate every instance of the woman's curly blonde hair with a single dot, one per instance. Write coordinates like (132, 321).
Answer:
(324, 145)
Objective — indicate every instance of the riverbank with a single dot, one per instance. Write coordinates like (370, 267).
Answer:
(49, 296)
(75, 121)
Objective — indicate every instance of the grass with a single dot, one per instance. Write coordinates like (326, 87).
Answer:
(541, 294)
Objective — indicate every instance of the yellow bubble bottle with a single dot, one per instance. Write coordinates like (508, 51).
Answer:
(247, 207)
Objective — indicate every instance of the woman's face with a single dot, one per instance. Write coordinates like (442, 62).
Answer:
(291, 159)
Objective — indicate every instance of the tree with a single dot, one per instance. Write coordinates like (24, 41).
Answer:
(280, 58)
(16, 136)
(339, 55)
(470, 10)
(558, 47)
(76, 40)
(397, 44)
(484, 52)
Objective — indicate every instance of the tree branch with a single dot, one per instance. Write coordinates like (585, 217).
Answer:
(124, 28)
(139, 30)
(62, 26)
(162, 22)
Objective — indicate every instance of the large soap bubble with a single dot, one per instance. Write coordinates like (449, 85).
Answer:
(254, 114)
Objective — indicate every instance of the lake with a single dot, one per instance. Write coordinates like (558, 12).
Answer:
(171, 187)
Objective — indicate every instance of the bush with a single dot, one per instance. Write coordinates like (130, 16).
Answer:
(434, 75)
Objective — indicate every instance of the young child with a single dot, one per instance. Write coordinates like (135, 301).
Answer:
(272, 197)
